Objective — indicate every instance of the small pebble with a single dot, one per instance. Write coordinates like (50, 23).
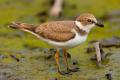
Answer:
(53, 79)
(74, 62)
(109, 75)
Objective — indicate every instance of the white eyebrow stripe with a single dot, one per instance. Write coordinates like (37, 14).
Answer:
(85, 28)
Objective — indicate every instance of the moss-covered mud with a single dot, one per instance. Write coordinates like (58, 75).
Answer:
(32, 63)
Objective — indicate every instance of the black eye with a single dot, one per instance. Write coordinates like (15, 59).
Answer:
(89, 20)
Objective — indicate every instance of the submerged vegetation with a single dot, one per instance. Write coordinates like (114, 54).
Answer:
(32, 63)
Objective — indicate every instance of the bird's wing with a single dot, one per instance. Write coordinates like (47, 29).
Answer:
(56, 32)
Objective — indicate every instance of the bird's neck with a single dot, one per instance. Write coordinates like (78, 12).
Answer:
(81, 30)
(81, 27)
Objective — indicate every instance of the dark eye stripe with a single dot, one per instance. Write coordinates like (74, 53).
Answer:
(91, 21)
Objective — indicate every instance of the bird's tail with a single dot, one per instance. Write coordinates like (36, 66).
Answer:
(22, 26)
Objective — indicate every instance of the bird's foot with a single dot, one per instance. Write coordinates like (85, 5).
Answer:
(64, 72)
(73, 70)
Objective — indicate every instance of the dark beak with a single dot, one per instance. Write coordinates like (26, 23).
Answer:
(99, 24)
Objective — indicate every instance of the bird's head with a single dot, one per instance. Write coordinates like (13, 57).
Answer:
(87, 21)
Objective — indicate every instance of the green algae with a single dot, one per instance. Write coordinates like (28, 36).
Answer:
(33, 65)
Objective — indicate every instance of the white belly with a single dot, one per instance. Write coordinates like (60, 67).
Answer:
(67, 44)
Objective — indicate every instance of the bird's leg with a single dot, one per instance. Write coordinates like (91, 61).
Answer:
(65, 59)
(57, 60)
(66, 62)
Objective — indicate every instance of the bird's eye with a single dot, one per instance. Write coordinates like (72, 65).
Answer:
(89, 20)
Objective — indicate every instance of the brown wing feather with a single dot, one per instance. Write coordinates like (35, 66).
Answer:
(56, 32)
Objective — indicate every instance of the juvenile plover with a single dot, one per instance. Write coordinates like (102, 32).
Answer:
(62, 34)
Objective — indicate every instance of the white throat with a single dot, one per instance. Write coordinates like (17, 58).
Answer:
(85, 28)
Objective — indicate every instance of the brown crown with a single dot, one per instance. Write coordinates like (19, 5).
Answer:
(86, 19)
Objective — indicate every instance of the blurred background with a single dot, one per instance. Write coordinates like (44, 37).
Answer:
(22, 55)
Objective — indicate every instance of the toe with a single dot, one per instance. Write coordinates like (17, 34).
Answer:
(74, 70)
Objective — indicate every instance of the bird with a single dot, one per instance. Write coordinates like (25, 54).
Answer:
(63, 35)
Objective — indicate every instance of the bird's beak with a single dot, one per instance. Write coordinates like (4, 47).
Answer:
(99, 24)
